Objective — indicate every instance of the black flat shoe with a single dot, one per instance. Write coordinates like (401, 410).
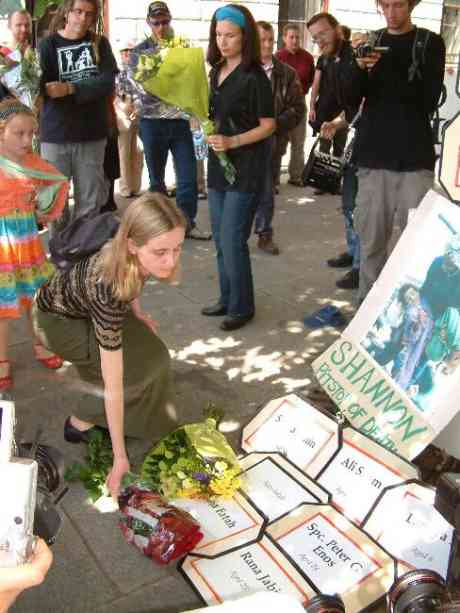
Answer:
(344, 260)
(233, 323)
(215, 310)
(73, 435)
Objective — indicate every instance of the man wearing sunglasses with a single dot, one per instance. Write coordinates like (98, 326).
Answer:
(165, 128)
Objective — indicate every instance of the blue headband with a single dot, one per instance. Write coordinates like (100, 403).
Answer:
(230, 13)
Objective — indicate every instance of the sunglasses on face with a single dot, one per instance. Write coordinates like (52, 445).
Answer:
(156, 23)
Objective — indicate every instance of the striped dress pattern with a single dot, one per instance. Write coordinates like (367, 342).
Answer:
(24, 266)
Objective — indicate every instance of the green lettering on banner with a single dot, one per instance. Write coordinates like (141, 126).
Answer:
(379, 389)
(338, 357)
(372, 403)
(366, 378)
(408, 433)
(355, 368)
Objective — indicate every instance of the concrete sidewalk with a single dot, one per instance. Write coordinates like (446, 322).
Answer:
(94, 569)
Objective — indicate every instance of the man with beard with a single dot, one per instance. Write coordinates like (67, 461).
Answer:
(340, 86)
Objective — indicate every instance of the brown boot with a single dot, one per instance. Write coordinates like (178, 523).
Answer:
(266, 244)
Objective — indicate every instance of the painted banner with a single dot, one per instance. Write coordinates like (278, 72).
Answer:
(405, 522)
(394, 371)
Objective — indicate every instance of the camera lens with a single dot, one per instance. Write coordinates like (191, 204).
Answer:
(325, 604)
(418, 591)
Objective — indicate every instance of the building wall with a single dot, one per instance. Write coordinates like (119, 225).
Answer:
(191, 18)
(363, 15)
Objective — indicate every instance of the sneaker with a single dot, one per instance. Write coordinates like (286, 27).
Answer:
(197, 235)
(350, 280)
(266, 244)
(344, 260)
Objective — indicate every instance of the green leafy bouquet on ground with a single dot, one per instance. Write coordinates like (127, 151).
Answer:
(194, 461)
(176, 74)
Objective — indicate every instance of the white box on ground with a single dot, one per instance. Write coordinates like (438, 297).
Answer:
(6, 430)
(18, 482)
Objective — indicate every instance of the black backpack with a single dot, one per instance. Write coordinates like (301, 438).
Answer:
(422, 37)
(81, 238)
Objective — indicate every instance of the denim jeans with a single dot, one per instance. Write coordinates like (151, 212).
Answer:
(349, 192)
(265, 201)
(232, 215)
(160, 136)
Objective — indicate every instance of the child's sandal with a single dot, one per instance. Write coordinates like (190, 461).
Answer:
(6, 382)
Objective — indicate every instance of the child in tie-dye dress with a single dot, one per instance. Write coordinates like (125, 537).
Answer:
(29, 187)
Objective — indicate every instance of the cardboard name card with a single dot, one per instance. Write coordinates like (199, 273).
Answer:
(6, 430)
(359, 473)
(225, 523)
(251, 569)
(275, 486)
(258, 602)
(334, 554)
(405, 522)
(293, 427)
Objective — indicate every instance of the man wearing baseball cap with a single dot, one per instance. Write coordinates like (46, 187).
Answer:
(165, 128)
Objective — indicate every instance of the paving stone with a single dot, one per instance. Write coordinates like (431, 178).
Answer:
(171, 595)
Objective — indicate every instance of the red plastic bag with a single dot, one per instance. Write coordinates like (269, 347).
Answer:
(162, 532)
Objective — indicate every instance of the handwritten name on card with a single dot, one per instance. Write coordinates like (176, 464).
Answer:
(225, 523)
(273, 491)
(329, 558)
(406, 523)
(259, 567)
(356, 479)
(291, 427)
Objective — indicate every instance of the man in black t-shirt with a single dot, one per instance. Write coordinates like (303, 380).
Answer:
(394, 145)
(77, 82)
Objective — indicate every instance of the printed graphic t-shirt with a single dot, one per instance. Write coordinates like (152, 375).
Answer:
(82, 116)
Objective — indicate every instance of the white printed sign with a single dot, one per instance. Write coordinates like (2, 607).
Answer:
(276, 487)
(224, 523)
(294, 428)
(259, 567)
(360, 472)
(406, 523)
(335, 555)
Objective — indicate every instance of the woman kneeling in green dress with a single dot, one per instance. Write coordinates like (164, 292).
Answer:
(90, 315)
